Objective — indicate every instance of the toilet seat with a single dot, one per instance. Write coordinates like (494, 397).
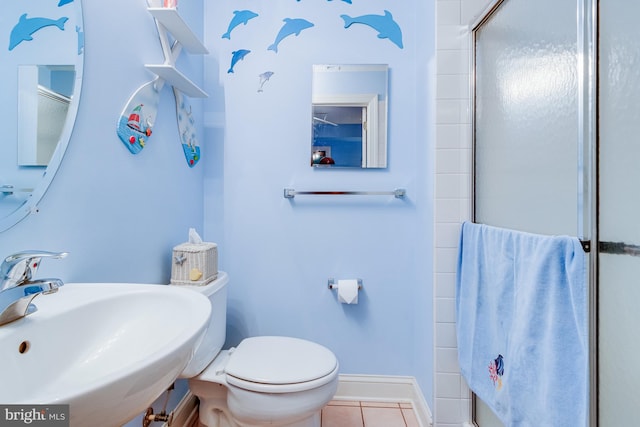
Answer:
(274, 364)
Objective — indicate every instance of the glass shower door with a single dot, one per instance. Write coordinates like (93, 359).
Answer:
(526, 117)
(619, 213)
(526, 123)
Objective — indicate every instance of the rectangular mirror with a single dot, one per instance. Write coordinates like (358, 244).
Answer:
(349, 116)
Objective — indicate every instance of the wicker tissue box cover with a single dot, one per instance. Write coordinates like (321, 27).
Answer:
(194, 264)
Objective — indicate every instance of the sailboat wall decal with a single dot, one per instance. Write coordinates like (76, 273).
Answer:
(138, 116)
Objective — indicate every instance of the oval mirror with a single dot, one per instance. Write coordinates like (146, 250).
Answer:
(349, 116)
(42, 52)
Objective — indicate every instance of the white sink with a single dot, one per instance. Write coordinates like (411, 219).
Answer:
(106, 349)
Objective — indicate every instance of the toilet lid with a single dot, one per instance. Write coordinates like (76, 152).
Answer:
(280, 360)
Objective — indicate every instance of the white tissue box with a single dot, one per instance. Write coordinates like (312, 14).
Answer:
(194, 264)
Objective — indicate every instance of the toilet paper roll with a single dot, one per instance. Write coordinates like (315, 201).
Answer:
(348, 291)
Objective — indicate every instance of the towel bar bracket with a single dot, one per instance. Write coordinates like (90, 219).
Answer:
(586, 245)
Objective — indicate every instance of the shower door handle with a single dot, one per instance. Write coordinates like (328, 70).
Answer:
(618, 248)
(615, 248)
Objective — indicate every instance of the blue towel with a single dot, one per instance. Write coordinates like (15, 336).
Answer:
(522, 325)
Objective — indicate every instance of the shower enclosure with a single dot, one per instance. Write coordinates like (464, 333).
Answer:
(557, 151)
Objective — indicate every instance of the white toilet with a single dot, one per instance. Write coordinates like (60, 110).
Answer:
(274, 381)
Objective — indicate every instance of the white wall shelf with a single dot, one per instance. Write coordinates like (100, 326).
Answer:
(169, 21)
(174, 23)
(171, 75)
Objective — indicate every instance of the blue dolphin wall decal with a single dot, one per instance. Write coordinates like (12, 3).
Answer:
(291, 26)
(386, 27)
(237, 56)
(239, 17)
(25, 28)
(63, 2)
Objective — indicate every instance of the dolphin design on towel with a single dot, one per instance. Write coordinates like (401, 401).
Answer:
(25, 28)
(385, 25)
(239, 17)
(291, 26)
(237, 56)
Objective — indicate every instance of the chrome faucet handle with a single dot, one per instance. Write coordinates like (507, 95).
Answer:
(20, 267)
(15, 302)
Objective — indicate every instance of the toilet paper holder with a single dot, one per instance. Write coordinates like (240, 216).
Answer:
(334, 285)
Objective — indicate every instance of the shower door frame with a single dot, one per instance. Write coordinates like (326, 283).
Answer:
(587, 157)
(588, 177)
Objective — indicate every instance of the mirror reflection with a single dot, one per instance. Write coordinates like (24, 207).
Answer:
(40, 79)
(44, 95)
(349, 116)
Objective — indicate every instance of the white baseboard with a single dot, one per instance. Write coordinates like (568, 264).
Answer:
(385, 389)
(373, 388)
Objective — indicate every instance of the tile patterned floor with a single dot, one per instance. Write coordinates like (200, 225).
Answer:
(342, 413)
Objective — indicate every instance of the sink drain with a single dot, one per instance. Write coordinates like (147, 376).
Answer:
(24, 347)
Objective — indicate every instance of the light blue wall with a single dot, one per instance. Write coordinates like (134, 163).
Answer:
(117, 214)
(280, 253)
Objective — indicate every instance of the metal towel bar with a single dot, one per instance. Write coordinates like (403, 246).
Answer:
(290, 193)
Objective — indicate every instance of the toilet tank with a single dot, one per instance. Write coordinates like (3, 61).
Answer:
(213, 339)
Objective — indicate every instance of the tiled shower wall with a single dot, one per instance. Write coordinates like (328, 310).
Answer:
(453, 196)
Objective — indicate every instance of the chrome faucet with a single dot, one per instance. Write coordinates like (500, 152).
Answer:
(17, 289)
